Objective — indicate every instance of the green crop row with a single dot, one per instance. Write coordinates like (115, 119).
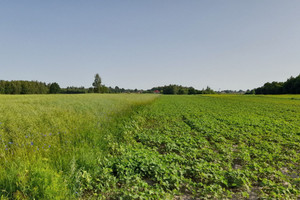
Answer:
(210, 147)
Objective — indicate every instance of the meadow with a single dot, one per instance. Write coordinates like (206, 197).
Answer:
(49, 142)
(136, 146)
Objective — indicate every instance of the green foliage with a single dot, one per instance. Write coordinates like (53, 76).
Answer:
(175, 89)
(291, 86)
(192, 90)
(97, 84)
(50, 145)
(31, 182)
(54, 88)
(129, 146)
(208, 90)
(91, 90)
(23, 87)
(204, 147)
(74, 90)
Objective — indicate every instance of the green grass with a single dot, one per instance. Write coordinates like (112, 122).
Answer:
(143, 147)
(48, 142)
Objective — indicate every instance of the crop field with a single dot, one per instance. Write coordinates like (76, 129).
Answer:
(136, 146)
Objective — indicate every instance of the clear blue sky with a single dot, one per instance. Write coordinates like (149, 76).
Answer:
(230, 44)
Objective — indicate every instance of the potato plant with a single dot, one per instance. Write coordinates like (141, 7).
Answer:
(213, 147)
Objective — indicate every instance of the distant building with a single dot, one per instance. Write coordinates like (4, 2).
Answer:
(156, 91)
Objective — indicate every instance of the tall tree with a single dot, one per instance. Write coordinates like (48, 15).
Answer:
(97, 84)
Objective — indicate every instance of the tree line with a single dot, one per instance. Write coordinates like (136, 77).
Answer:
(290, 86)
(35, 87)
(180, 90)
(28, 87)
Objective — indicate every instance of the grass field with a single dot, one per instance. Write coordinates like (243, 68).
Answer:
(149, 147)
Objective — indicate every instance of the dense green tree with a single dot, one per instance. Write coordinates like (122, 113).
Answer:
(8, 88)
(296, 88)
(2, 87)
(174, 89)
(23, 87)
(191, 90)
(182, 90)
(117, 89)
(73, 90)
(170, 89)
(15, 87)
(208, 90)
(104, 89)
(290, 86)
(91, 90)
(54, 88)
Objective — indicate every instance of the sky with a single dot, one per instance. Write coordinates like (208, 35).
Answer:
(230, 44)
